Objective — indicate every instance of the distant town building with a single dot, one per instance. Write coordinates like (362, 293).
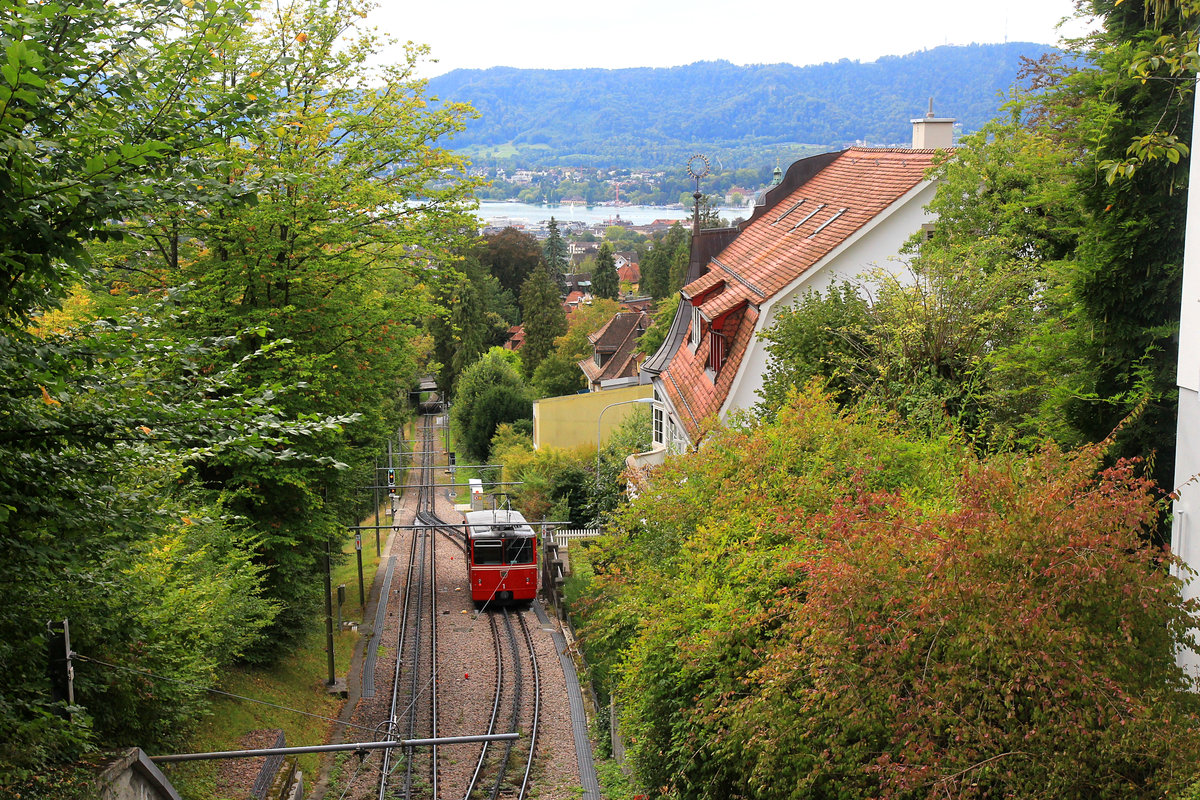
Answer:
(614, 364)
(516, 337)
(576, 298)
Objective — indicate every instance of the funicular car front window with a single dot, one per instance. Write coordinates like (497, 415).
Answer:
(488, 553)
(519, 551)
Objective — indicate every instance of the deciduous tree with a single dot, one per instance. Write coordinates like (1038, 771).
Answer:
(1131, 253)
(355, 198)
(102, 423)
(490, 393)
(559, 371)
(895, 617)
(510, 256)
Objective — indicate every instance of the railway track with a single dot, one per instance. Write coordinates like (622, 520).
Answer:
(501, 769)
(414, 706)
(513, 681)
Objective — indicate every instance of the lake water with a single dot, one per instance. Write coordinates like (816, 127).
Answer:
(526, 213)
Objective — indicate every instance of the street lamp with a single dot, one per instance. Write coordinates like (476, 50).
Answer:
(649, 400)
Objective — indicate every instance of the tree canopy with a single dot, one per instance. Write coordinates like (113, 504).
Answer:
(490, 394)
(217, 232)
(510, 256)
(645, 117)
(828, 605)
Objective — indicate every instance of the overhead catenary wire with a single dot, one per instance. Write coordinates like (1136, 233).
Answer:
(386, 745)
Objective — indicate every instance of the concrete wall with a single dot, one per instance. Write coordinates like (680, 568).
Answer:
(133, 776)
(570, 421)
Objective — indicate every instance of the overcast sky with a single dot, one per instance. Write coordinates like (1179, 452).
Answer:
(665, 33)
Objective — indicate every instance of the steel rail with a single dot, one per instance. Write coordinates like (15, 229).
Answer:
(537, 706)
(515, 718)
(495, 706)
(424, 500)
(433, 661)
(410, 627)
(415, 674)
(401, 637)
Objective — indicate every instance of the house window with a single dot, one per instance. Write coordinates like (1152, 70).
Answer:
(694, 337)
(657, 415)
(716, 350)
(677, 441)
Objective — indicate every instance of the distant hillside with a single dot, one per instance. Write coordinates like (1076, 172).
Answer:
(644, 116)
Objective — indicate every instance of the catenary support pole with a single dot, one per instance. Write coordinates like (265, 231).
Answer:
(329, 615)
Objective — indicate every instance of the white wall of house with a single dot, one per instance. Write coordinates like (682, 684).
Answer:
(877, 244)
(1185, 537)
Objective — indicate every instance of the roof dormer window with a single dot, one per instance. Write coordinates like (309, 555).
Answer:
(716, 351)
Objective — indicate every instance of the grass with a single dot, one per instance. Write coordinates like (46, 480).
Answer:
(506, 150)
(462, 493)
(614, 784)
(296, 682)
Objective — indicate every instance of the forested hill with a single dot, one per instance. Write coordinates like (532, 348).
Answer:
(646, 117)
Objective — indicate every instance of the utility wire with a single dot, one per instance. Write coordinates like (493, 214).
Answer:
(219, 691)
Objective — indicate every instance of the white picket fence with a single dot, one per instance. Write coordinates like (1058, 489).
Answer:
(562, 537)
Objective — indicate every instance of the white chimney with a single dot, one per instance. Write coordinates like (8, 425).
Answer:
(933, 133)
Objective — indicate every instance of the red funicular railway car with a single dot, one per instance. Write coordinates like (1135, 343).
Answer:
(502, 566)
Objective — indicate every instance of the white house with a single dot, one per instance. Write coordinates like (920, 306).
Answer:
(832, 217)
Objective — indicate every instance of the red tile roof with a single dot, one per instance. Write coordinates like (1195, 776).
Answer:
(616, 339)
(820, 214)
(692, 392)
(572, 301)
(772, 251)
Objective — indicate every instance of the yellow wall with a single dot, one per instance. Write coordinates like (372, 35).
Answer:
(570, 421)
